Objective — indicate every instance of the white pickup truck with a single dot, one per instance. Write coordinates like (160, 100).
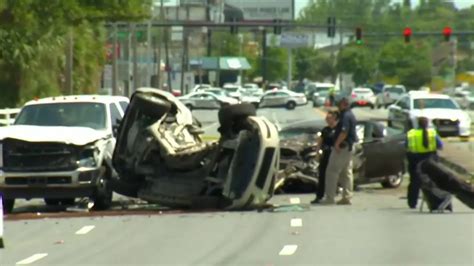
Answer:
(59, 149)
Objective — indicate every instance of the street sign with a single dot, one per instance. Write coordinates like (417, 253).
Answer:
(295, 40)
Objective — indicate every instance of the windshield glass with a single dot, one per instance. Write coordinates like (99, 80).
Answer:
(92, 115)
(232, 89)
(395, 90)
(434, 103)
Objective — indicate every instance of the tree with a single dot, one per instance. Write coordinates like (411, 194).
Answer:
(357, 60)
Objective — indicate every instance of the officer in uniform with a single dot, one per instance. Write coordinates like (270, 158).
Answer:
(422, 144)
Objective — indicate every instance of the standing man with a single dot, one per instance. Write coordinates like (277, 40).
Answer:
(325, 143)
(332, 92)
(340, 162)
(422, 144)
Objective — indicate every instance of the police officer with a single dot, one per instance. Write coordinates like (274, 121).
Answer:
(332, 92)
(325, 143)
(422, 144)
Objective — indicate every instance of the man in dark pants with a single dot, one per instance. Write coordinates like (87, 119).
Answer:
(422, 144)
(325, 143)
(340, 161)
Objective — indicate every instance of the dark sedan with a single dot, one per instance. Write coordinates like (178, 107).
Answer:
(378, 157)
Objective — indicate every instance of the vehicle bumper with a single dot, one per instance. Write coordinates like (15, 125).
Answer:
(71, 184)
(362, 103)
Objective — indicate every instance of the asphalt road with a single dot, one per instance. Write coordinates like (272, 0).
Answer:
(377, 229)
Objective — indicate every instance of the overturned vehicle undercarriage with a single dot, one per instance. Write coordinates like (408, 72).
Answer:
(160, 156)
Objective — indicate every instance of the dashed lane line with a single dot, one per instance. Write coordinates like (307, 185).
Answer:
(296, 222)
(295, 200)
(288, 250)
(84, 230)
(32, 259)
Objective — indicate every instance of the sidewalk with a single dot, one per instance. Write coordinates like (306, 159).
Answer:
(459, 156)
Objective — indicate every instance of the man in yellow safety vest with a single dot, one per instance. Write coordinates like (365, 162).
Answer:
(422, 144)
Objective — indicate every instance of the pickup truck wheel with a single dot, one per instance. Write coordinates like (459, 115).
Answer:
(290, 105)
(8, 205)
(392, 181)
(55, 202)
(103, 193)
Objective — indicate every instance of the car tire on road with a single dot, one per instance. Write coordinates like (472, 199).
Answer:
(290, 105)
(56, 202)
(393, 181)
(189, 106)
(389, 123)
(103, 193)
(372, 106)
(8, 205)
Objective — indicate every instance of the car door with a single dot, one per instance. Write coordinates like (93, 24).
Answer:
(210, 101)
(400, 112)
(268, 99)
(281, 98)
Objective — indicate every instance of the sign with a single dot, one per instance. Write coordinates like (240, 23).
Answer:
(262, 10)
(177, 33)
(295, 40)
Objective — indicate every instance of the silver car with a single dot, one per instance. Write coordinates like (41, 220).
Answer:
(465, 98)
(206, 100)
(282, 98)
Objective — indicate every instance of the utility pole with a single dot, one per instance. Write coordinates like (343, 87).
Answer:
(184, 58)
(158, 72)
(241, 42)
(69, 62)
(209, 34)
(290, 71)
(114, 60)
(148, 55)
(168, 67)
(135, 63)
(264, 56)
(129, 86)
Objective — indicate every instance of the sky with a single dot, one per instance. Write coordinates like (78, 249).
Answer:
(300, 4)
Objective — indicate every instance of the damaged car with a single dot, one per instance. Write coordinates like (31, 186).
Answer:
(60, 149)
(160, 156)
(377, 143)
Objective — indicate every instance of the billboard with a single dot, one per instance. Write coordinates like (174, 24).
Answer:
(262, 10)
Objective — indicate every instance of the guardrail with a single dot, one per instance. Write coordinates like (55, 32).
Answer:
(7, 116)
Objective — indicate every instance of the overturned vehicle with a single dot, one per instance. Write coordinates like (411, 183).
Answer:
(378, 157)
(160, 156)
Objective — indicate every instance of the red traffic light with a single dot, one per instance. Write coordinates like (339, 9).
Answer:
(407, 33)
(447, 31)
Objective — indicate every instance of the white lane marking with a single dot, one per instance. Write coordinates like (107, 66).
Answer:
(295, 200)
(288, 250)
(297, 222)
(84, 230)
(32, 259)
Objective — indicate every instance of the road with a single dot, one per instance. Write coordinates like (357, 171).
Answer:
(377, 229)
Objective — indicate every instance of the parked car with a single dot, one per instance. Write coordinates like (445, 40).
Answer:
(59, 149)
(282, 98)
(362, 97)
(389, 95)
(234, 91)
(465, 98)
(320, 98)
(444, 113)
(313, 87)
(160, 156)
(298, 162)
(200, 87)
(206, 100)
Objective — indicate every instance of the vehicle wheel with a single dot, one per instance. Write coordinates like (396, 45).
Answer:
(8, 205)
(150, 105)
(255, 105)
(464, 138)
(352, 106)
(235, 111)
(389, 123)
(290, 105)
(314, 104)
(55, 202)
(189, 106)
(103, 193)
(372, 106)
(393, 181)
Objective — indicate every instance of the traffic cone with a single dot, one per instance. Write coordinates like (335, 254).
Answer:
(2, 245)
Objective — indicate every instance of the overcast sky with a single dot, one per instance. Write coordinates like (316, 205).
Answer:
(299, 4)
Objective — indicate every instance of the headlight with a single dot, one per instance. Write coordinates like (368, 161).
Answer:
(86, 158)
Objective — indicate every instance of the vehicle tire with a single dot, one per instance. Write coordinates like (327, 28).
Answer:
(189, 106)
(150, 105)
(393, 181)
(236, 111)
(103, 192)
(315, 105)
(352, 106)
(290, 105)
(8, 205)
(389, 123)
(255, 105)
(464, 138)
(372, 106)
(56, 202)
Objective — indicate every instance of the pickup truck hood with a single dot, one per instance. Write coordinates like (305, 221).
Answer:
(442, 114)
(69, 135)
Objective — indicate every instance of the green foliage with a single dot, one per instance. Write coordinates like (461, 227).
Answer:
(33, 44)
(357, 60)
(313, 65)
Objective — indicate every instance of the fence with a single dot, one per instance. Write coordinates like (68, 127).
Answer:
(7, 116)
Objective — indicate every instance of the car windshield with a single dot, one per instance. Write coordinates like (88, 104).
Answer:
(218, 92)
(363, 91)
(434, 103)
(92, 115)
(397, 90)
(232, 89)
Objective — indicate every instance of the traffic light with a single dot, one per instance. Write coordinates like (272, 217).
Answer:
(447, 31)
(407, 33)
(331, 27)
(276, 27)
(358, 35)
(234, 29)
